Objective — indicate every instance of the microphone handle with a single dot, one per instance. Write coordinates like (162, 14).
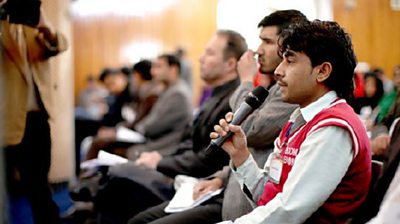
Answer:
(239, 116)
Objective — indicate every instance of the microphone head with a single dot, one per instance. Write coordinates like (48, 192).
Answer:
(257, 97)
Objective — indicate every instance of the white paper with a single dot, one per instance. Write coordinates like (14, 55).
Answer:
(225, 222)
(127, 135)
(183, 198)
(103, 159)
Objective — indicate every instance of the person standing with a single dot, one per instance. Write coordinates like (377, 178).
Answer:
(27, 42)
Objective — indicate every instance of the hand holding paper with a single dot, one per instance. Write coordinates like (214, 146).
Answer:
(183, 198)
(204, 186)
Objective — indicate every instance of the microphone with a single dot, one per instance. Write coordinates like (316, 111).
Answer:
(251, 103)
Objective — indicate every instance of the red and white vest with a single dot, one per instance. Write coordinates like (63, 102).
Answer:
(353, 188)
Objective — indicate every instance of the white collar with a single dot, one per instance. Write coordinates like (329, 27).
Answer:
(315, 107)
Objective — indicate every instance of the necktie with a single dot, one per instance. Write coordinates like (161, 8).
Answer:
(298, 122)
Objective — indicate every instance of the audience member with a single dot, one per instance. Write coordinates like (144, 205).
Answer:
(145, 96)
(387, 83)
(26, 105)
(91, 104)
(145, 91)
(389, 98)
(300, 182)
(186, 66)
(117, 84)
(373, 93)
(262, 127)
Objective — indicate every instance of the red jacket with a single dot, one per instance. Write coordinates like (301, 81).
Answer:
(352, 190)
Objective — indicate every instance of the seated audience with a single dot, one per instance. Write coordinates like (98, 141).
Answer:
(91, 104)
(148, 181)
(261, 127)
(144, 93)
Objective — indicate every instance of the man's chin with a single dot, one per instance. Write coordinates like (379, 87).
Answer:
(266, 71)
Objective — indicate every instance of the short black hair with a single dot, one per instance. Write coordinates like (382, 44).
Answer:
(172, 60)
(126, 70)
(324, 41)
(282, 19)
(143, 69)
(109, 71)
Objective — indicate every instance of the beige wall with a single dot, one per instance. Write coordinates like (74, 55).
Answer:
(62, 166)
(375, 29)
(99, 40)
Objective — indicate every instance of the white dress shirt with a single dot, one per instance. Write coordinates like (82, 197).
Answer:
(323, 160)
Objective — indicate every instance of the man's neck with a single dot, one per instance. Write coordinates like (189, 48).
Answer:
(224, 79)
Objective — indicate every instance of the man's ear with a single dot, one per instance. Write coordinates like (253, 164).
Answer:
(324, 72)
(231, 63)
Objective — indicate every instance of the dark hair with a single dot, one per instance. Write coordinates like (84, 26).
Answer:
(143, 69)
(126, 71)
(105, 72)
(172, 60)
(180, 52)
(378, 71)
(112, 71)
(282, 19)
(324, 41)
(235, 44)
(378, 84)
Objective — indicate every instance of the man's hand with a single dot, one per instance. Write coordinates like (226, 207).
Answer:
(380, 144)
(236, 146)
(149, 159)
(46, 29)
(247, 66)
(205, 186)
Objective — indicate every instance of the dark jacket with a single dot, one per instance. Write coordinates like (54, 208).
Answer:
(190, 158)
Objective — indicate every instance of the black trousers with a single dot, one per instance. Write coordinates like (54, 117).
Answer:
(208, 212)
(118, 199)
(27, 168)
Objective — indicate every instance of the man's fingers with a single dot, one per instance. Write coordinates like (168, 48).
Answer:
(229, 117)
(235, 129)
(223, 124)
(214, 135)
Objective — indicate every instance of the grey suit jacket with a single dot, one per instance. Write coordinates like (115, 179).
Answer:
(164, 125)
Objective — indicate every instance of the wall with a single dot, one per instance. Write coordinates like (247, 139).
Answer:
(375, 30)
(115, 40)
(246, 24)
(61, 124)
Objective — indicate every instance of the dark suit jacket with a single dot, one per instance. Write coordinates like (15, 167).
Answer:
(190, 158)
